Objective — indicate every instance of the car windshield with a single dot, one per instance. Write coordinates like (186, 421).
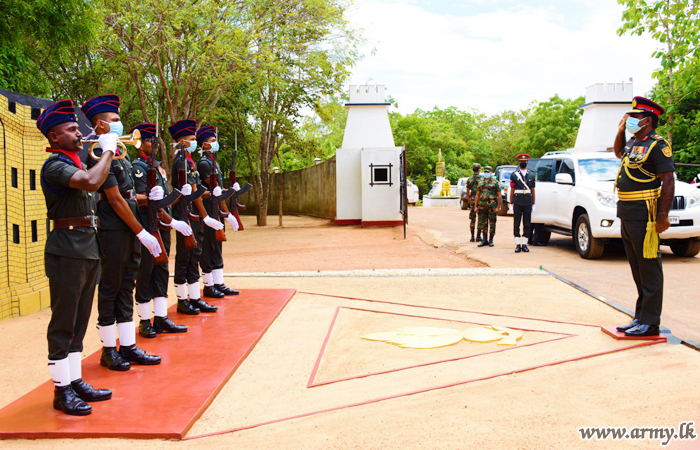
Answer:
(505, 175)
(602, 169)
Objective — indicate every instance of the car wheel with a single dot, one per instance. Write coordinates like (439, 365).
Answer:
(545, 236)
(504, 209)
(463, 204)
(686, 247)
(588, 247)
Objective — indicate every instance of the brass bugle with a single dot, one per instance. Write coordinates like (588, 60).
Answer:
(122, 141)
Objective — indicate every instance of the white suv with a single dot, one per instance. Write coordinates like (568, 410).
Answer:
(574, 195)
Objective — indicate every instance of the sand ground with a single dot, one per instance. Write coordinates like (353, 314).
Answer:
(526, 409)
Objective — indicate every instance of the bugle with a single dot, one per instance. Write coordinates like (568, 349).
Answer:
(122, 141)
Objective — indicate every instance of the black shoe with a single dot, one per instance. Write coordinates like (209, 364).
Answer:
(643, 330)
(65, 399)
(630, 325)
(491, 242)
(472, 239)
(135, 355)
(225, 289)
(146, 330)
(204, 306)
(165, 325)
(478, 236)
(518, 248)
(525, 249)
(212, 292)
(484, 243)
(87, 393)
(112, 360)
(185, 307)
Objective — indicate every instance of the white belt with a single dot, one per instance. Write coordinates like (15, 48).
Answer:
(520, 191)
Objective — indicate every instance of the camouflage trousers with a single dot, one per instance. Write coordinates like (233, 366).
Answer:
(487, 216)
(472, 218)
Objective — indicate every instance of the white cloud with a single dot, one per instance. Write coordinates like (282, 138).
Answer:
(502, 57)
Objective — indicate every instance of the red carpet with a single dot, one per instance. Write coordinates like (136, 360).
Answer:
(160, 401)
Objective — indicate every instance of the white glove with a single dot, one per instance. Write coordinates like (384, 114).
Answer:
(231, 219)
(181, 227)
(156, 193)
(186, 190)
(533, 208)
(108, 142)
(211, 223)
(236, 187)
(150, 242)
(216, 192)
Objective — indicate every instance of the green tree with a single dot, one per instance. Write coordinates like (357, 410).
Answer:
(550, 126)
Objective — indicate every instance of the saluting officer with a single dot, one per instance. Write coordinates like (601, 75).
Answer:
(522, 197)
(186, 280)
(488, 200)
(120, 251)
(472, 186)
(152, 278)
(212, 262)
(645, 186)
(71, 253)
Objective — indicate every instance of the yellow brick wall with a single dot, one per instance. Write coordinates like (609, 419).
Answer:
(23, 284)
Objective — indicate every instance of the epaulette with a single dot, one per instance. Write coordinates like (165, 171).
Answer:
(658, 137)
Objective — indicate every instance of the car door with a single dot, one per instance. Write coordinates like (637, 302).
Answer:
(564, 196)
(544, 187)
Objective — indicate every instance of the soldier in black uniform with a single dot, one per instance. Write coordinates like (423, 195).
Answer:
(212, 262)
(522, 197)
(186, 279)
(645, 184)
(152, 279)
(120, 252)
(72, 252)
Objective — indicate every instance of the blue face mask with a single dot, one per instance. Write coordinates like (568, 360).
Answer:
(488, 175)
(116, 128)
(214, 147)
(192, 147)
(632, 125)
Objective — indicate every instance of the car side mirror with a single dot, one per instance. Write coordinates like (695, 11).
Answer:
(564, 178)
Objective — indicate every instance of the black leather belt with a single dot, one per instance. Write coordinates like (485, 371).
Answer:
(71, 222)
(127, 195)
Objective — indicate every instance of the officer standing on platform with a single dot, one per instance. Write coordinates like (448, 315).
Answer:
(212, 262)
(472, 186)
(152, 278)
(645, 186)
(488, 200)
(186, 280)
(522, 197)
(72, 253)
(120, 251)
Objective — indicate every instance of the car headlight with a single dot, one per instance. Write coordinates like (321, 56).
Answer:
(606, 198)
(693, 200)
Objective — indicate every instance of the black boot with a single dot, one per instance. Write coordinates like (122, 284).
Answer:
(491, 240)
(484, 243)
(478, 236)
(66, 400)
(135, 355)
(165, 325)
(472, 239)
(525, 249)
(146, 330)
(112, 360)
(185, 307)
(87, 393)
(225, 289)
(518, 248)
(203, 306)
(212, 292)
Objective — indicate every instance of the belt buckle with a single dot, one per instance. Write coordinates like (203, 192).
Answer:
(93, 221)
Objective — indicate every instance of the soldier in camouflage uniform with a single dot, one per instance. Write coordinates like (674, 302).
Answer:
(488, 200)
(472, 186)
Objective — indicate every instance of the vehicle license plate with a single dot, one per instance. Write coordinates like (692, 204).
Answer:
(674, 220)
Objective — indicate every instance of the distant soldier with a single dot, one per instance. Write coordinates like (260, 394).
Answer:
(522, 197)
(488, 200)
(472, 185)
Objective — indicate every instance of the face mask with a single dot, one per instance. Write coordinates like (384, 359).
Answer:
(192, 147)
(116, 128)
(214, 147)
(488, 175)
(632, 125)
(523, 165)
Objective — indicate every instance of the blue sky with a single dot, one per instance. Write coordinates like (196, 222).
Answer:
(495, 55)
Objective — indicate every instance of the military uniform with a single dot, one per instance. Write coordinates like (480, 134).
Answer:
(522, 186)
(212, 260)
(473, 186)
(186, 260)
(639, 189)
(489, 192)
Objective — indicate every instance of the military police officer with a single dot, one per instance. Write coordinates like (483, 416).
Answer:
(72, 253)
(488, 200)
(472, 186)
(645, 190)
(522, 197)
